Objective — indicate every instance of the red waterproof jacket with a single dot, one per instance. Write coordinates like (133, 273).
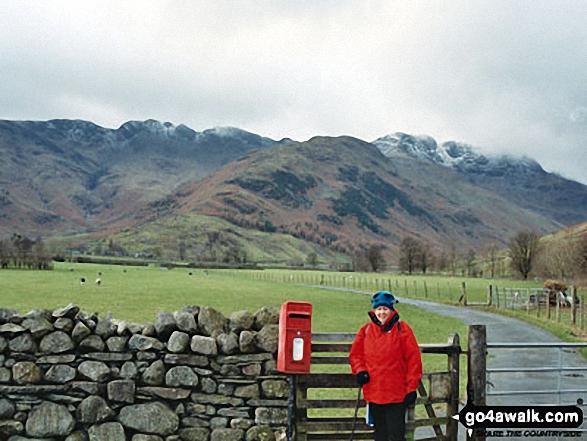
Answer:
(390, 354)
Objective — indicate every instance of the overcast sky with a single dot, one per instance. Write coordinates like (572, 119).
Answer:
(504, 76)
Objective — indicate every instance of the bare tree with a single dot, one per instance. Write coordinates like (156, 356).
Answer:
(556, 259)
(182, 248)
(523, 250)
(583, 254)
(212, 242)
(409, 254)
(374, 256)
(452, 258)
(361, 263)
(470, 262)
(491, 254)
(312, 259)
(426, 257)
(442, 261)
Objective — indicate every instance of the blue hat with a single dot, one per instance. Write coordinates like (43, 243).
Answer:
(383, 298)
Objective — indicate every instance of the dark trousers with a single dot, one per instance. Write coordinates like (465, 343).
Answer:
(389, 420)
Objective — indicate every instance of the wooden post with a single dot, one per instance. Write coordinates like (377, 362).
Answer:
(582, 313)
(301, 413)
(477, 365)
(452, 407)
(415, 289)
(411, 417)
(573, 305)
(497, 297)
(538, 304)
(489, 295)
(438, 289)
(558, 308)
(291, 408)
(406, 286)
(425, 290)
(463, 299)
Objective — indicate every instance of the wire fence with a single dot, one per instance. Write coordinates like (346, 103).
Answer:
(558, 306)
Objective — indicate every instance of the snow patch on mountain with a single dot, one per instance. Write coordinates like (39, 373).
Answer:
(456, 155)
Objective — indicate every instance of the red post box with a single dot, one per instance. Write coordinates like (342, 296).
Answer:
(295, 338)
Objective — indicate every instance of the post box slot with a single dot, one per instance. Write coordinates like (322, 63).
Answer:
(297, 323)
(298, 315)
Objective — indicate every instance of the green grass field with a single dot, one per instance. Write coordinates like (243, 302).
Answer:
(137, 293)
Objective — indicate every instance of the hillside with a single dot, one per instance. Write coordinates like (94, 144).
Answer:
(62, 177)
(342, 193)
(73, 178)
(521, 181)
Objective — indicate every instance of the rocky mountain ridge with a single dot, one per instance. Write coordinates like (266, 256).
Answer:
(456, 155)
(519, 179)
(67, 176)
(64, 177)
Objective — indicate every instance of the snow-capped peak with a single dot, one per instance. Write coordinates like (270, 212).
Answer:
(452, 154)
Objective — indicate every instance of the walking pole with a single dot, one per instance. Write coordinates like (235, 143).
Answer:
(356, 413)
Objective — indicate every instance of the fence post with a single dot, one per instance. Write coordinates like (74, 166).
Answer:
(574, 305)
(538, 304)
(583, 313)
(452, 426)
(489, 295)
(425, 290)
(477, 365)
(463, 299)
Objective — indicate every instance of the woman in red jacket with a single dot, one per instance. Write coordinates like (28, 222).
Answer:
(385, 359)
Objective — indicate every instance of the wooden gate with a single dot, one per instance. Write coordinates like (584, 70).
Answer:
(324, 400)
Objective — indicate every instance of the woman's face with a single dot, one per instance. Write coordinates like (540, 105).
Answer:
(382, 313)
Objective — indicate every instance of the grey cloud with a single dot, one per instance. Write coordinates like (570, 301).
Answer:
(504, 76)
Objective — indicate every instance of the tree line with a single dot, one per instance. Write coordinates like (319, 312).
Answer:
(563, 257)
(21, 252)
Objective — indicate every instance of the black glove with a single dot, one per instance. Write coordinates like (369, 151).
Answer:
(410, 399)
(362, 378)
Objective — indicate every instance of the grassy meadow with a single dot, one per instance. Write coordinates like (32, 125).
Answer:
(136, 294)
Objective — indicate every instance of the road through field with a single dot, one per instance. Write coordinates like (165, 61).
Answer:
(502, 329)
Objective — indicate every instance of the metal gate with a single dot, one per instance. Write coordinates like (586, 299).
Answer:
(324, 400)
(557, 367)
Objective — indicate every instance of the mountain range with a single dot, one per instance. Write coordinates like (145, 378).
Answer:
(149, 179)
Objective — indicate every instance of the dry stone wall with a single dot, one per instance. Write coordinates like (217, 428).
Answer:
(192, 375)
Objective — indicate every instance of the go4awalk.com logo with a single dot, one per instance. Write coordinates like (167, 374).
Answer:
(530, 421)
